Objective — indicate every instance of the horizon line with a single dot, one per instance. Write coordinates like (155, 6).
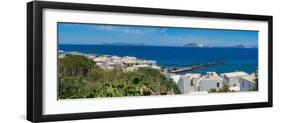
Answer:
(113, 44)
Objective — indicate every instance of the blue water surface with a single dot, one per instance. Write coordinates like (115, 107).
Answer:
(236, 59)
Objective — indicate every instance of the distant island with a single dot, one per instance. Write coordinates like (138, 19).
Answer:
(193, 45)
(239, 46)
(124, 44)
(196, 45)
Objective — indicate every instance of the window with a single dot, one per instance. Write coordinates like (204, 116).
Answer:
(191, 83)
(243, 84)
(218, 84)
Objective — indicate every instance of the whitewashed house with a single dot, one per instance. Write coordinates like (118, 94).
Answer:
(247, 83)
(175, 77)
(188, 83)
(210, 81)
(232, 79)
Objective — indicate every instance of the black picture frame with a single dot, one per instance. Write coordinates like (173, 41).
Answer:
(35, 69)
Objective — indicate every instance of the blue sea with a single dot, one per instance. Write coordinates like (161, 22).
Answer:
(236, 59)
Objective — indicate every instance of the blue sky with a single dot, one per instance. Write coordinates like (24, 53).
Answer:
(70, 33)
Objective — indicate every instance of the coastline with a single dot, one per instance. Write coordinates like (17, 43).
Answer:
(244, 59)
(195, 80)
(192, 68)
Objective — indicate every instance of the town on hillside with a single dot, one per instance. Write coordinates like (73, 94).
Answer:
(188, 83)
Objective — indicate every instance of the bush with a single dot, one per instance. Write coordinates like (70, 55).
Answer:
(75, 65)
(212, 90)
(80, 77)
(225, 88)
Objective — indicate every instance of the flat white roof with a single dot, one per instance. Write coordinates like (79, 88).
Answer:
(235, 74)
(250, 78)
(211, 76)
(193, 75)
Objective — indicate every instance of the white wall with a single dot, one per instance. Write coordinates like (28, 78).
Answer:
(234, 81)
(184, 85)
(246, 85)
(13, 61)
(206, 85)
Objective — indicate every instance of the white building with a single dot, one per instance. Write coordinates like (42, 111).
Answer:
(188, 83)
(247, 83)
(210, 81)
(175, 77)
(62, 55)
(101, 59)
(232, 79)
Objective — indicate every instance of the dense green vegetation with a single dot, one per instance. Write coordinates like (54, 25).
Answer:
(80, 77)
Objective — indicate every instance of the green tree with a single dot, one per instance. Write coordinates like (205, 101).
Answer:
(71, 87)
(256, 87)
(80, 77)
(224, 89)
(75, 65)
(212, 90)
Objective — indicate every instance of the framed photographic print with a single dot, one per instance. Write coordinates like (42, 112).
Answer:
(95, 61)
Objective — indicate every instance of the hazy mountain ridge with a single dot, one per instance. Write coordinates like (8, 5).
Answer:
(196, 45)
(193, 45)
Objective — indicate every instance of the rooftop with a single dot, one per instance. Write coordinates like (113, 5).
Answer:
(193, 75)
(211, 76)
(250, 77)
(235, 74)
